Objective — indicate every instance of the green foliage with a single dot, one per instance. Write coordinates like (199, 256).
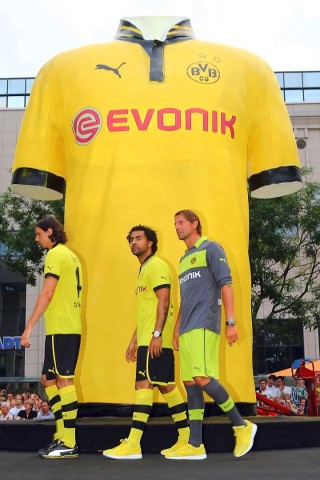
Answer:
(18, 217)
(284, 254)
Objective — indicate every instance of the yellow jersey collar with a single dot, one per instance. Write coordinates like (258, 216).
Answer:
(198, 242)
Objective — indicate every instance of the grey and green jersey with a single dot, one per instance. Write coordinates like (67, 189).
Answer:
(203, 271)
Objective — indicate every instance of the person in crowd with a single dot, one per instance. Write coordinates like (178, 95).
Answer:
(151, 345)
(60, 303)
(205, 284)
(299, 392)
(5, 412)
(271, 387)
(28, 413)
(17, 405)
(10, 397)
(36, 402)
(262, 389)
(302, 408)
(26, 396)
(45, 413)
(283, 392)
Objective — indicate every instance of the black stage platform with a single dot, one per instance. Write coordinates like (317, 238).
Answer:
(98, 433)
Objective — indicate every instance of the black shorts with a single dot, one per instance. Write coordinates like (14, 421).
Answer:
(157, 370)
(61, 355)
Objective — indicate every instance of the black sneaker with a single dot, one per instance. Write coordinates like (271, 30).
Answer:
(60, 450)
(46, 450)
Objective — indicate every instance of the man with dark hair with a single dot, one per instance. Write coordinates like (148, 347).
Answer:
(60, 303)
(205, 280)
(151, 346)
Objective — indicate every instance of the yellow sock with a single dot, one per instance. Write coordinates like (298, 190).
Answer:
(178, 412)
(53, 395)
(142, 409)
(69, 407)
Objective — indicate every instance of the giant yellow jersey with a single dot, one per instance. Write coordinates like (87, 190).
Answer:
(134, 130)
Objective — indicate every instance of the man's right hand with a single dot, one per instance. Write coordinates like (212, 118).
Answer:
(131, 352)
(25, 339)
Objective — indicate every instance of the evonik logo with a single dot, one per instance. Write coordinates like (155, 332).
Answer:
(190, 276)
(87, 123)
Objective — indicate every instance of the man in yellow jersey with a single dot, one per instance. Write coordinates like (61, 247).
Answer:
(151, 345)
(154, 114)
(60, 303)
(205, 283)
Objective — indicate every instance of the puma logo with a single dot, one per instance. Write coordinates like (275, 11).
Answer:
(100, 66)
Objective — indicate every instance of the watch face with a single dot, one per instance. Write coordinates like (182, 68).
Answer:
(156, 334)
(230, 322)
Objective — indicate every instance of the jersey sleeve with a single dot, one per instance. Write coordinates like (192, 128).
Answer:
(52, 264)
(160, 276)
(218, 264)
(273, 160)
(39, 167)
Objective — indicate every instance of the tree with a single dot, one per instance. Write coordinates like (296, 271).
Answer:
(284, 254)
(18, 217)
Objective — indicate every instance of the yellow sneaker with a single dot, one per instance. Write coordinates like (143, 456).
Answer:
(187, 452)
(174, 447)
(244, 436)
(124, 451)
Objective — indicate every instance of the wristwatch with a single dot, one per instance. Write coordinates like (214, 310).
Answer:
(156, 334)
(230, 322)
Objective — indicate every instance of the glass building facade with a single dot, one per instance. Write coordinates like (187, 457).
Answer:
(15, 92)
(275, 346)
(295, 87)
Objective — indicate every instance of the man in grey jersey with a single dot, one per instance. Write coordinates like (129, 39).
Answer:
(205, 280)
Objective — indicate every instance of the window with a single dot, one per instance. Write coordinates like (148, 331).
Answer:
(15, 92)
(276, 345)
(12, 321)
(293, 95)
(299, 86)
(292, 79)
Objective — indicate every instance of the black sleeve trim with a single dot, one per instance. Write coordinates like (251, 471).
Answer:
(48, 274)
(165, 285)
(275, 175)
(38, 178)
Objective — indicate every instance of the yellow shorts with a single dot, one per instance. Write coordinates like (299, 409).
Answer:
(199, 354)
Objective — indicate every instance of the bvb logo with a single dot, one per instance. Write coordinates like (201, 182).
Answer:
(203, 72)
(193, 260)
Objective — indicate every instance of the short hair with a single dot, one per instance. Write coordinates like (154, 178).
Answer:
(191, 216)
(58, 234)
(280, 377)
(149, 233)
(263, 380)
(273, 377)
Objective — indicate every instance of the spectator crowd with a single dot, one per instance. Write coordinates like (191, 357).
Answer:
(294, 398)
(24, 406)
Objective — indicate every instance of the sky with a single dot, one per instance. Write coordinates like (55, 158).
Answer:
(285, 33)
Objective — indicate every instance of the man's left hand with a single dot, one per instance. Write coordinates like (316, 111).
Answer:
(232, 334)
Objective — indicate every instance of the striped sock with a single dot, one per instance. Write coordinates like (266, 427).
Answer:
(141, 412)
(178, 412)
(69, 407)
(218, 393)
(196, 412)
(53, 395)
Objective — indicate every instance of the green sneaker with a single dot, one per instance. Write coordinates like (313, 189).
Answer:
(244, 436)
(124, 451)
(187, 452)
